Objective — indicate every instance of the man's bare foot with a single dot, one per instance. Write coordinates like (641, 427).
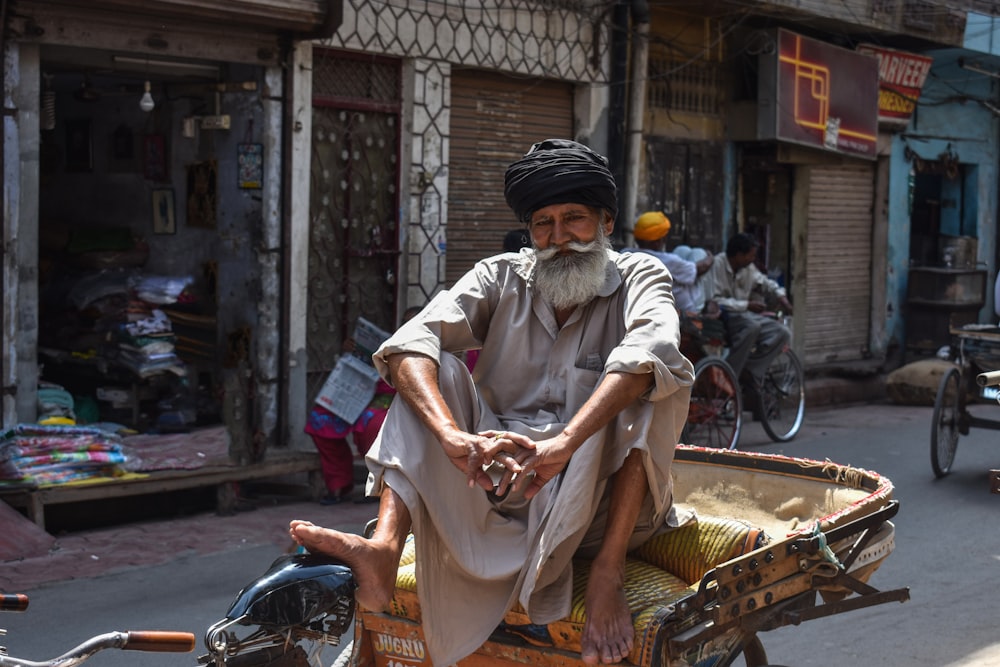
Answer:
(608, 635)
(373, 562)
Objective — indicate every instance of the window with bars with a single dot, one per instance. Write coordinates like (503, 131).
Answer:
(362, 80)
(681, 85)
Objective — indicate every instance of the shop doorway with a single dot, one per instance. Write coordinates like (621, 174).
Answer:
(686, 183)
(945, 285)
(354, 204)
(148, 229)
(944, 208)
(765, 197)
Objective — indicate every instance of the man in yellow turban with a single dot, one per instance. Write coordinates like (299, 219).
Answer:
(652, 226)
(650, 232)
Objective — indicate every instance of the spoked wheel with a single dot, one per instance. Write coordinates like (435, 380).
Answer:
(945, 423)
(715, 416)
(782, 397)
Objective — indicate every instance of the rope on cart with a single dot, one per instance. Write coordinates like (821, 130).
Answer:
(824, 549)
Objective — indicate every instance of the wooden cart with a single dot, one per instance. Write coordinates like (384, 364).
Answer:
(779, 541)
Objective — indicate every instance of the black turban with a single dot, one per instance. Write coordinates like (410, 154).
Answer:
(559, 171)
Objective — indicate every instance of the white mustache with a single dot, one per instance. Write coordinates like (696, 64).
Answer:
(575, 246)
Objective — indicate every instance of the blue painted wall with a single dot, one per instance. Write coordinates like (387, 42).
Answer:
(953, 115)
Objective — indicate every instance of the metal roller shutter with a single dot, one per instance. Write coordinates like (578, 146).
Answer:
(838, 263)
(494, 119)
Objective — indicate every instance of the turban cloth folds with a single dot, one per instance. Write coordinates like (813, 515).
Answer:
(559, 171)
(651, 226)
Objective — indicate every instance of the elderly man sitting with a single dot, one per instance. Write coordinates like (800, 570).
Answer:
(559, 444)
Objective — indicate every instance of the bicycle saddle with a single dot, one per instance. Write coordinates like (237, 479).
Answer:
(296, 590)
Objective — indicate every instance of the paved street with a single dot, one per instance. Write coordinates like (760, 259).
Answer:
(947, 545)
(182, 574)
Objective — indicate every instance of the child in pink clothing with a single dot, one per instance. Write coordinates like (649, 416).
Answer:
(329, 433)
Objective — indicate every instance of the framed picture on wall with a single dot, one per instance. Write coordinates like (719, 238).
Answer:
(250, 163)
(164, 219)
(201, 197)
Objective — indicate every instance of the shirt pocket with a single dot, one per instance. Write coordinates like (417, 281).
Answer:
(582, 382)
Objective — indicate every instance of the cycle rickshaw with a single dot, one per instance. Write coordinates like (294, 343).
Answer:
(975, 352)
(715, 416)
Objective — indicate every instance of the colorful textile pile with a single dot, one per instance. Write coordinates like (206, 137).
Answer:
(46, 455)
(146, 342)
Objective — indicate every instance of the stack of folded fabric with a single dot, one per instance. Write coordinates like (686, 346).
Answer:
(46, 455)
(146, 343)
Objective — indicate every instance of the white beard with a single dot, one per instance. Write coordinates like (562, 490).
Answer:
(568, 280)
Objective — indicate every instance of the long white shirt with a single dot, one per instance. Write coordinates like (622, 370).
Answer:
(476, 556)
(732, 290)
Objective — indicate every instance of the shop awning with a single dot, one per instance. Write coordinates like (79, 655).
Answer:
(302, 18)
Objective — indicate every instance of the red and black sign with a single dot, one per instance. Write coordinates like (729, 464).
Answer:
(822, 96)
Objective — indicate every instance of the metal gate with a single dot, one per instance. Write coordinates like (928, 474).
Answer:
(494, 120)
(838, 263)
(354, 229)
(685, 182)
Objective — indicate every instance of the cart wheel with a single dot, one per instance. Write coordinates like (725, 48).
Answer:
(753, 652)
(945, 423)
(782, 397)
(715, 414)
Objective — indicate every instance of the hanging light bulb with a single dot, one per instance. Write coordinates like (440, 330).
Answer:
(147, 103)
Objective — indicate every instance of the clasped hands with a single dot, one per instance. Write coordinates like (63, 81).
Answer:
(527, 464)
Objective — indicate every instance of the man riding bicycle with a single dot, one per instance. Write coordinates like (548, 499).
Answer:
(754, 339)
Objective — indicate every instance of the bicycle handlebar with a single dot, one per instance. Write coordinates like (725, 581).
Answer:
(170, 642)
(158, 640)
(13, 602)
(988, 379)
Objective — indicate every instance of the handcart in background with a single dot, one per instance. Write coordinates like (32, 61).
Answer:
(972, 382)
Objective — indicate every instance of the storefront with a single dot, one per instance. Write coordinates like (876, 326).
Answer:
(807, 189)
(146, 161)
(942, 202)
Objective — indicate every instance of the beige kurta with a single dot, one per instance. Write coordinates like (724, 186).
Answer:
(477, 555)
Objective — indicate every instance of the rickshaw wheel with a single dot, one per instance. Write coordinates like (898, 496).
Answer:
(945, 422)
(715, 414)
(753, 652)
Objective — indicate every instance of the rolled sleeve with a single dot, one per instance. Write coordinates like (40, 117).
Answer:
(453, 321)
(652, 332)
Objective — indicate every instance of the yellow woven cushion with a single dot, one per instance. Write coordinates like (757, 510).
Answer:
(647, 589)
(692, 550)
(659, 573)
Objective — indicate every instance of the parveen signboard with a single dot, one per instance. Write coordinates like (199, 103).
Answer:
(901, 78)
(816, 94)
